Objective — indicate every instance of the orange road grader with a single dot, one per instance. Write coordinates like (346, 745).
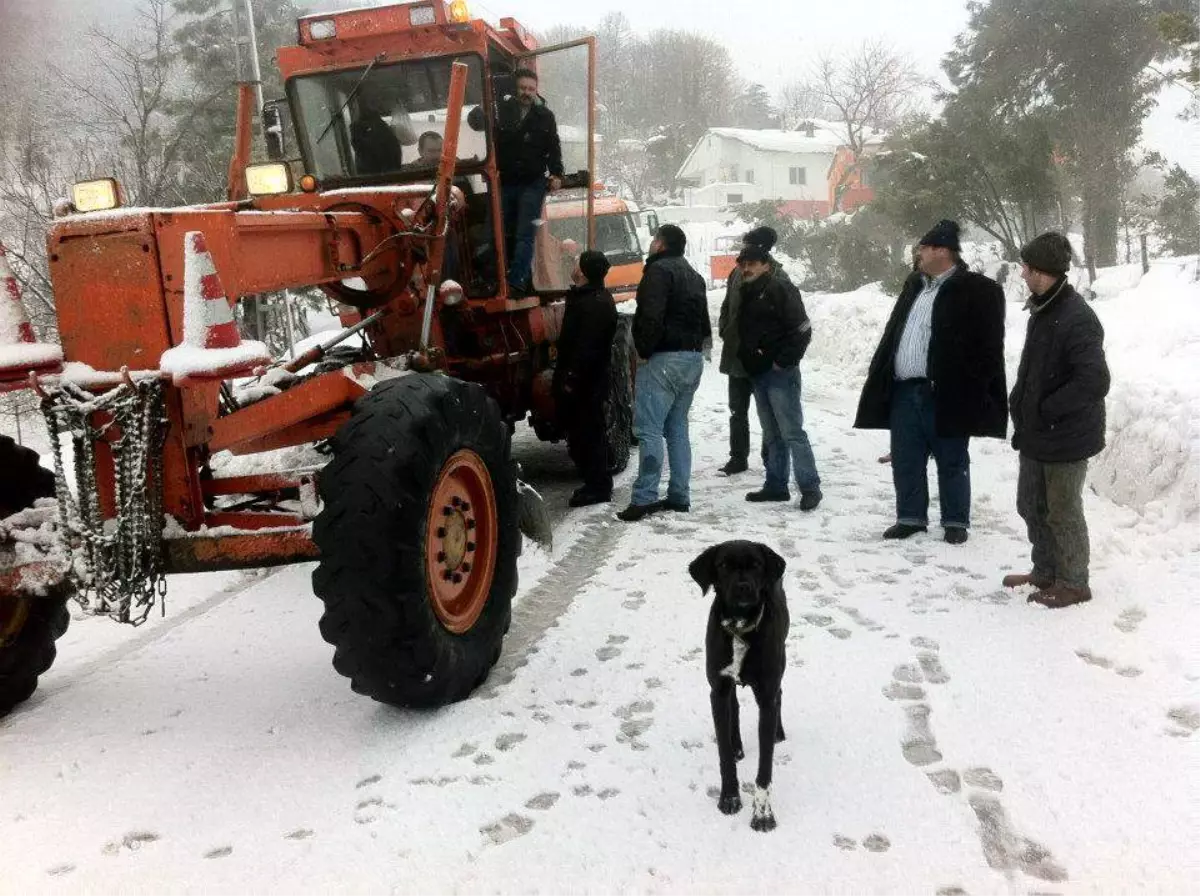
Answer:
(384, 453)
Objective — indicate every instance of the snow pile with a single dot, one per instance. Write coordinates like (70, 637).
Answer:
(185, 362)
(1152, 341)
(846, 330)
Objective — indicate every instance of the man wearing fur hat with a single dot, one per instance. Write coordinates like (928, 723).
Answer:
(670, 327)
(581, 375)
(741, 390)
(937, 378)
(1057, 407)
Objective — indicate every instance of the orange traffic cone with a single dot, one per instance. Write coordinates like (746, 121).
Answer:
(20, 352)
(212, 348)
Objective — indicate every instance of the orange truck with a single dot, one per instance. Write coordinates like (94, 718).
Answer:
(411, 501)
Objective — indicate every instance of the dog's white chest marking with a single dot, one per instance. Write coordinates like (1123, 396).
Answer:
(738, 629)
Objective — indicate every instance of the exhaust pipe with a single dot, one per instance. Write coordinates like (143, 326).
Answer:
(249, 99)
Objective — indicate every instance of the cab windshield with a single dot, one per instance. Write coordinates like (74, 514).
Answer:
(385, 122)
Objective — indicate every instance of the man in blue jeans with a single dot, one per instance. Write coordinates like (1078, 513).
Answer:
(936, 380)
(527, 147)
(774, 332)
(670, 328)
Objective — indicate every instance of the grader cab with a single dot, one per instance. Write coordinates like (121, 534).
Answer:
(384, 454)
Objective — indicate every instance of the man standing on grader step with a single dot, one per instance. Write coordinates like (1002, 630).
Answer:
(937, 379)
(1058, 423)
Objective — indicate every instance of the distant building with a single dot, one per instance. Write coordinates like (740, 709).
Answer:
(733, 165)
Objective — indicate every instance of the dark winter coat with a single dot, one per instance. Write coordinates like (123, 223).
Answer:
(526, 148)
(376, 146)
(773, 327)
(1058, 399)
(727, 320)
(672, 307)
(585, 343)
(966, 359)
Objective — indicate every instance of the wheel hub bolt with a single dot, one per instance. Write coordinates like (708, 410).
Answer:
(441, 556)
(465, 507)
(448, 575)
(456, 500)
(466, 567)
(458, 578)
(447, 510)
(470, 546)
(441, 533)
(470, 524)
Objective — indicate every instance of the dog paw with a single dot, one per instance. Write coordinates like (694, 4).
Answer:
(730, 803)
(763, 818)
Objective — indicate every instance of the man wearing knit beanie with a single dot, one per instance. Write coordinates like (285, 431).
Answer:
(581, 376)
(936, 380)
(1057, 407)
(741, 390)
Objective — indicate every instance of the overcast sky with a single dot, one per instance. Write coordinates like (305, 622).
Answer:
(771, 41)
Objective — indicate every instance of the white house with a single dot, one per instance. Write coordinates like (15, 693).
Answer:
(732, 165)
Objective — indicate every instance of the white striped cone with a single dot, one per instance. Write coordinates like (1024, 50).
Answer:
(20, 352)
(212, 348)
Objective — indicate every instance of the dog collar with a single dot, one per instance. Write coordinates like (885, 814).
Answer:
(738, 628)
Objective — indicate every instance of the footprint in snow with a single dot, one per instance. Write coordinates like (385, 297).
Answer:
(368, 781)
(1130, 619)
(60, 870)
(219, 853)
(542, 801)
(508, 828)
(877, 843)
(1187, 717)
(298, 834)
(506, 742)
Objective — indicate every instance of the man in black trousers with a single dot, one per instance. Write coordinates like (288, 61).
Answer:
(581, 375)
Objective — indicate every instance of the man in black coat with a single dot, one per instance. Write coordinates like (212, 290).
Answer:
(527, 147)
(581, 375)
(741, 390)
(773, 335)
(670, 327)
(1057, 407)
(937, 378)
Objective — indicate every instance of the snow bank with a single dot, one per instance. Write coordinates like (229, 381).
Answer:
(1152, 340)
(846, 330)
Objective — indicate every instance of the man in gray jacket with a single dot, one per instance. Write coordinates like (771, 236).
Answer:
(741, 389)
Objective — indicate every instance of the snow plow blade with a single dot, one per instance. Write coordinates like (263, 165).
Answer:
(533, 518)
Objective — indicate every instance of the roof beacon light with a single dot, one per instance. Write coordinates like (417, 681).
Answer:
(459, 13)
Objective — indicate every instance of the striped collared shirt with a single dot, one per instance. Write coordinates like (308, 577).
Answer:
(912, 354)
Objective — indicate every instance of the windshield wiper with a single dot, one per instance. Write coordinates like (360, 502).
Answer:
(351, 95)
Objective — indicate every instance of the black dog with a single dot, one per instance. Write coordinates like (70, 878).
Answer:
(745, 642)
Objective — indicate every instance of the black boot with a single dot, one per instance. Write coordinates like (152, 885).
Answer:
(586, 497)
(635, 512)
(733, 467)
(902, 530)
(764, 495)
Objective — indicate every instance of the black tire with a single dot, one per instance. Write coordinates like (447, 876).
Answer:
(373, 574)
(37, 622)
(618, 406)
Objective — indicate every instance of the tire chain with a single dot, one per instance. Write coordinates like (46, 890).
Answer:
(122, 558)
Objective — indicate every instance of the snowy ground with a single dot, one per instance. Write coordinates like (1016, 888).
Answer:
(943, 735)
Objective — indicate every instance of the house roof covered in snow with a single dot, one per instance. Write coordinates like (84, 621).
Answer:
(826, 137)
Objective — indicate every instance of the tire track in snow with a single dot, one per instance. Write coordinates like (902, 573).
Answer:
(145, 639)
(539, 610)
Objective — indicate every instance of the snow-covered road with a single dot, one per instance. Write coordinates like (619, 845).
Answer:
(943, 735)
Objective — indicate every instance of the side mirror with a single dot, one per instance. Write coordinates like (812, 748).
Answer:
(651, 220)
(276, 119)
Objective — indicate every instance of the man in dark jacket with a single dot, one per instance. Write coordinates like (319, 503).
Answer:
(773, 334)
(741, 390)
(581, 375)
(937, 379)
(1057, 407)
(670, 328)
(527, 146)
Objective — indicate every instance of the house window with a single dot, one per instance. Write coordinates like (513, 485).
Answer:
(749, 175)
(733, 198)
(796, 177)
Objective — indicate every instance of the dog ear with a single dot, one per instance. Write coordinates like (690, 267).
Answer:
(704, 568)
(774, 564)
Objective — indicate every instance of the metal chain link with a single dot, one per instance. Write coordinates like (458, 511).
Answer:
(121, 557)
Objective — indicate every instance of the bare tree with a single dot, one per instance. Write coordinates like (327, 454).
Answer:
(142, 106)
(872, 89)
(799, 102)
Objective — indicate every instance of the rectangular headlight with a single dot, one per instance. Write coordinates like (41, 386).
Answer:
(96, 195)
(268, 179)
(322, 29)
(420, 15)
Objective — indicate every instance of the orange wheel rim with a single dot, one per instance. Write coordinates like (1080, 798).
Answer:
(14, 611)
(461, 539)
